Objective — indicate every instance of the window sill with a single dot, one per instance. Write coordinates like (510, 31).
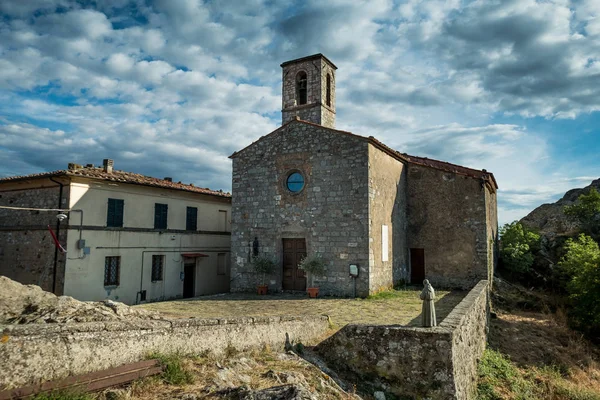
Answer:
(111, 286)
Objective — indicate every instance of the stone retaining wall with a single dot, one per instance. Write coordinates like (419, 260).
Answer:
(433, 363)
(35, 353)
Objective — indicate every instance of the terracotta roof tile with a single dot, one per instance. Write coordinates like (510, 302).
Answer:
(119, 176)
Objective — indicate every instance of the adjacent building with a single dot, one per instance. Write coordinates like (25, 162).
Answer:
(127, 237)
(308, 188)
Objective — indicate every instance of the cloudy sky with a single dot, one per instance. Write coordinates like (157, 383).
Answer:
(173, 87)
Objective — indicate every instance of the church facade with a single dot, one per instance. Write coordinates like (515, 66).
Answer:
(310, 189)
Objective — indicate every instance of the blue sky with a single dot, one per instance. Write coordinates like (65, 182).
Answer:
(172, 88)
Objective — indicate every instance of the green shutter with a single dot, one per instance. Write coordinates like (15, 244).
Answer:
(160, 216)
(191, 222)
(114, 216)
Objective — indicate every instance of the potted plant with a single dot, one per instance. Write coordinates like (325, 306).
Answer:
(263, 265)
(315, 266)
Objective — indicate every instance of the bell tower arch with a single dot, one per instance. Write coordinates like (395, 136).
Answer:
(308, 90)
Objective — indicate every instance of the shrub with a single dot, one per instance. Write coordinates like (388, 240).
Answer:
(582, 263)
(314, 265)
(518, 245)
(263, 265)
(586, 210)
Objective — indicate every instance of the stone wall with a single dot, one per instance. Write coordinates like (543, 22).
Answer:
(387, 208)
(27, 250)
(447, 217)
(492, 231)
(435, 363)
(37, 353)
(331, 212)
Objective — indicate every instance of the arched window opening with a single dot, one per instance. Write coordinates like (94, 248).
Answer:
(328, 96)
(301, 87)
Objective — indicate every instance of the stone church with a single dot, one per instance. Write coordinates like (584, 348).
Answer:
(307, 188)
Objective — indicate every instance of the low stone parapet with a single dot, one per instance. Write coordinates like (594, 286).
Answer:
(35, 353)
(434, 363)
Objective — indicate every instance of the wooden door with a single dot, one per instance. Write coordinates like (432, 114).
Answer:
(189, 280)
(417, 266)
(294, 250)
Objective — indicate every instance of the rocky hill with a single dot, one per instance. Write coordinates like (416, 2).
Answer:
(550, 220)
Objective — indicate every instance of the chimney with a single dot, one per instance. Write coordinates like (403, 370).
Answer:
(168, 179)
(107, 165)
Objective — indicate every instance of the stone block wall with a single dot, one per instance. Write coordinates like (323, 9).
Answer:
(331, 212)
(38, 353)
(447, 217)
(387, 208)
(315, 110)
(26, 246)
(492, 231)
(435, 363)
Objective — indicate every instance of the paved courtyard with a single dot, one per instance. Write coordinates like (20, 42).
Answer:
(396, 307)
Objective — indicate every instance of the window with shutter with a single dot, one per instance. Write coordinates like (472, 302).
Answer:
(160, 216)
(191, 220)
(158, 262)
(112, 270)
(114, 215)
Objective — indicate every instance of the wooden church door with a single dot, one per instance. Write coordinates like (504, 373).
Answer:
(294, 250)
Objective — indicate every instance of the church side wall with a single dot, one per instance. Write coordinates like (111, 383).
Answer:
(387, 208)
(331, 212)
(447, 218)
(492, 231)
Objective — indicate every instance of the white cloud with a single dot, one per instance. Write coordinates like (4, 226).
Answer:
(187, 83)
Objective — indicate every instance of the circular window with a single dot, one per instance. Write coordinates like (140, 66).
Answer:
(295, 182)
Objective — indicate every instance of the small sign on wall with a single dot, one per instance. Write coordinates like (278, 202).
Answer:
(384, 242)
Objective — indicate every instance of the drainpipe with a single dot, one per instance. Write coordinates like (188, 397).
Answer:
(54, 270)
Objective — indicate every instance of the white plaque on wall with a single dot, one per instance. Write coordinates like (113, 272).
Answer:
(384, 243)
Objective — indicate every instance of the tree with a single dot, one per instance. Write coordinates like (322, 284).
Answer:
(582, 263)
(586, 210)
(517, 247)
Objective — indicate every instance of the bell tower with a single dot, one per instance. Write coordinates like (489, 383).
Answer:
(308, 90)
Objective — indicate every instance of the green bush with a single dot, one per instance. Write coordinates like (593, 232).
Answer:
(518, 245)
(263, 265)
(586, 211)
(314, 265)
(582, 263)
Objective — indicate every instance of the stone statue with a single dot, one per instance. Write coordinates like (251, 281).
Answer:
(428, 312)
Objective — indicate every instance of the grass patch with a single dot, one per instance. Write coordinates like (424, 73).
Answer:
(500, 378)
(393, 294)
(63, 395)
(174, 372)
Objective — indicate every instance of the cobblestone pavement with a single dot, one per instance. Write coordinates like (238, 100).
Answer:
(399, 307)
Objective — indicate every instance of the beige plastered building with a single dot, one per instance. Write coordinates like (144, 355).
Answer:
(127, 237)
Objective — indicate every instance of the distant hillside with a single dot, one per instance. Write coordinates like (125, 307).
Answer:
(550, 220)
